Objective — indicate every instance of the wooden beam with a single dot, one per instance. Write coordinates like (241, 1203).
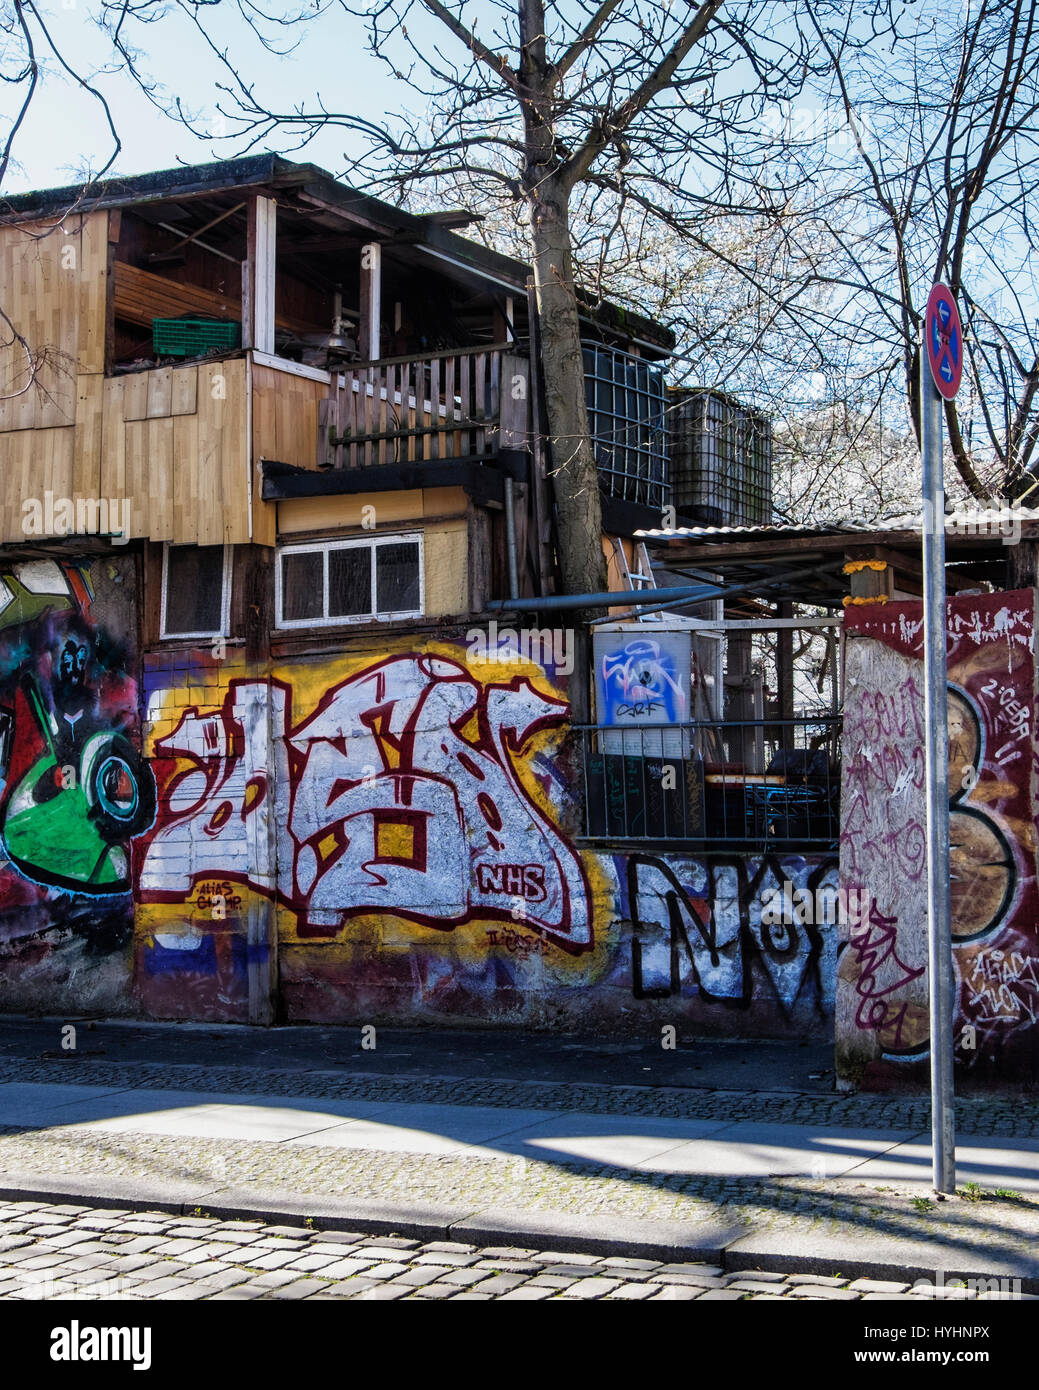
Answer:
(258, 275)
(910, 566)
(140, 295)
(760, 550)
(369, 336)
(759, 624)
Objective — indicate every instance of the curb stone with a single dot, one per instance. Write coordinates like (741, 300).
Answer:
(734, 1248)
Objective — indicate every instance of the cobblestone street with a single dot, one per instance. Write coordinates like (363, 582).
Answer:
(69, 1252)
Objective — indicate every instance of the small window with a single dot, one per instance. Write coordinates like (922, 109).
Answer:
(349, 581)
(196, 590)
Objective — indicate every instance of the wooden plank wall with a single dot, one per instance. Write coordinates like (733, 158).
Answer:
(53, 279)
(52, 282)
(285, 427)
(172, 440)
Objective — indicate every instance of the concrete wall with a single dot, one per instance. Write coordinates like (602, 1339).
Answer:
(388, 835)
(882, 1012)
(73, 788)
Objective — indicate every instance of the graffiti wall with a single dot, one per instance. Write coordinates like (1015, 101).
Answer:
(731, 936)
(390, 837)
(882, 1013)
(74, 790)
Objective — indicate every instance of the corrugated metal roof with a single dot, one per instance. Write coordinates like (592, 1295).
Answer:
(965, 521)
(774, 529)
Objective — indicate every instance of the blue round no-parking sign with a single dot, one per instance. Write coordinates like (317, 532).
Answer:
(943, 339)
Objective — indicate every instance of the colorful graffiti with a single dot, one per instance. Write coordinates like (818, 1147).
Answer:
(399, 794)
(395, 829)
(74, 790)
(702, 927)
(70, 816)
(995, 902)
(643, 679)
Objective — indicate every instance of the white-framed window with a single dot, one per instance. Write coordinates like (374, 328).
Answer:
(196, 591)
(352, 581)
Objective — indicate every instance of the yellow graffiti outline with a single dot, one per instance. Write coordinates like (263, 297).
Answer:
(466, 944)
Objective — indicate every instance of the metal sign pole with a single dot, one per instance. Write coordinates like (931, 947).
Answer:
(939, 938)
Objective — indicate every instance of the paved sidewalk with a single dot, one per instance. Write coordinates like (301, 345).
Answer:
(822, 1199)
(636, 1144)
(783, 1179)
(75, 1252)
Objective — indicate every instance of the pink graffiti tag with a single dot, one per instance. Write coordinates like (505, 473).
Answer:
(873, 945)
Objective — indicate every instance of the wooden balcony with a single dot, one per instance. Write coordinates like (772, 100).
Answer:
(460, 404)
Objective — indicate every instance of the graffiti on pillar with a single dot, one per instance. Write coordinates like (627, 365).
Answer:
(994, 897)
(879, 974)
(401, 793)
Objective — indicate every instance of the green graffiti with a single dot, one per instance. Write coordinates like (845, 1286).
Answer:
(67, 823)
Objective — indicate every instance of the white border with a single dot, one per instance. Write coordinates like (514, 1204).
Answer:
(324, 548)
(225, 596)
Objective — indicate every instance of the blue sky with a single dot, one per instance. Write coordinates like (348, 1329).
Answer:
(66, 128)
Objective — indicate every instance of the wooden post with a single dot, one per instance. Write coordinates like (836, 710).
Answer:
(368, 338)
(869, 577)
(1021, 564)
(258, 275)
(115, 219)
(785, 672)
(256, 566)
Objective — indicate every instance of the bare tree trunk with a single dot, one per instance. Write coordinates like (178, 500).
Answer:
(575, 478)
(574, 474)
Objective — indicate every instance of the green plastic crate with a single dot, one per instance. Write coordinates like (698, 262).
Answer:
(194, 337)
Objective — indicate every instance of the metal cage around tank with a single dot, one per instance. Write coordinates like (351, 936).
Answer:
(721, 458)
(627, 404)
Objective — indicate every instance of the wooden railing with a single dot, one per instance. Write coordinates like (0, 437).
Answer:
(457, 404)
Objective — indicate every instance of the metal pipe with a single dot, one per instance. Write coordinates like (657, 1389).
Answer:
(936, 761)
(660, 598)
(616, 598)
(670, 603)
(510, 537)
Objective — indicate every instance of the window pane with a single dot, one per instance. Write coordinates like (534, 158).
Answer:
(396, 577)
(349, 582)
(194, 588)
(302, 586)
